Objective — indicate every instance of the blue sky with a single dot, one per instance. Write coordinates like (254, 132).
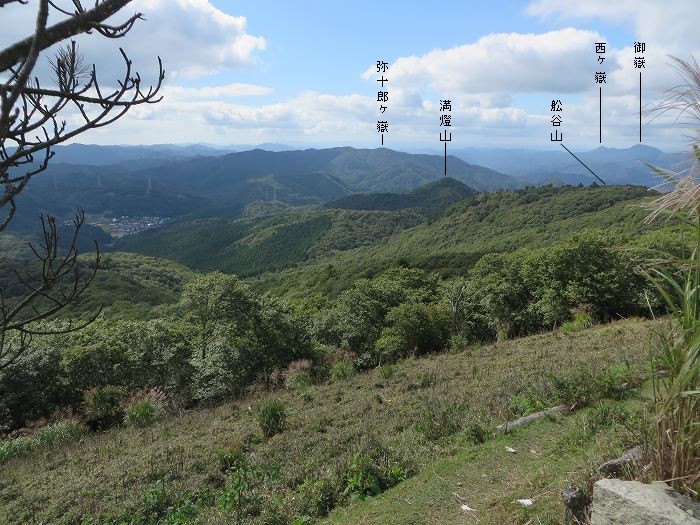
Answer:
(326, 45)
(301, 73)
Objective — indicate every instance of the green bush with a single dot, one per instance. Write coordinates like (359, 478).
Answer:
(386, 371)
(233, 457)
(414, 329)
(58, 433)
(102, 407)
(363, 478)
(458, 342)
(356, 317)
(272, 417)
(581, 321)
(605, 414)
(372, 469)
(160, 504)
(52, 435)
(307, 396)
(135, 354)
(140, 413)
(242, 494)
(343, 369)
(298, 380)
(523, 292)
(477, 430)
(523, 406)
(317, 498)
(582, 386)
(10, 448)
(576, 386)
(32, 387)
(612, 382)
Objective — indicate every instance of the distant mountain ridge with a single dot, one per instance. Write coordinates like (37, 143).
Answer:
(527, 166)
(223, 185)
(556, 166)
(204, 181)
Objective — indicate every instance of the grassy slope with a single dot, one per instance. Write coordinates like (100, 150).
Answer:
(549, 455)
(109, 472)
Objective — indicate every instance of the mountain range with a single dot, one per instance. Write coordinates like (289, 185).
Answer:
(558, 167)
(203, 181)
(160, 182)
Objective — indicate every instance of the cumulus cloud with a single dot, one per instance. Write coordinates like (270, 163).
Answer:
(193, 38)
(501, 63)
(487, 79)
(324, 117)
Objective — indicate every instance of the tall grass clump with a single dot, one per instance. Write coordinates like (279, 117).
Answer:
(144, 407)
(675, 444)
(272, 416)
(581, 321)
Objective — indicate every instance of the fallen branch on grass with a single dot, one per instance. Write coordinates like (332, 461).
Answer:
(556, 411)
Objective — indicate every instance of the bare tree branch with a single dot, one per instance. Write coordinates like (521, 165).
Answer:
(30, 122)
(3, 3)
(60, 281)
(80, 22)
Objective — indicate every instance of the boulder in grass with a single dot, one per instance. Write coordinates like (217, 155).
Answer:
(629, 459)
(617, 502)
(576, 504)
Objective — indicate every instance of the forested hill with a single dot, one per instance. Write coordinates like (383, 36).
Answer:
(271, 238)
(358, 170)
(222, 185)
(490, 222)
(325, 248)
(430, 199)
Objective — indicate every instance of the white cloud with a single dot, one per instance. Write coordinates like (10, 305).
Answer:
(215, 92)
(670, 24)
(501, 63)
(193, 38)
(492, 81)
(321, 117)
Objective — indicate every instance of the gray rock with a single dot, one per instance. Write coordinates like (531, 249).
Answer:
(617, 502)
(629, 459)
(576, 503)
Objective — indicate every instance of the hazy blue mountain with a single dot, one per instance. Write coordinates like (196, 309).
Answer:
(613, 165)
(176, 180)
(358, 170)
(383, 169)
(95, 155)
(164, 192)
(268, 146)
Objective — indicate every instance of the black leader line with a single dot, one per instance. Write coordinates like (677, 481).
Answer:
(589, 169)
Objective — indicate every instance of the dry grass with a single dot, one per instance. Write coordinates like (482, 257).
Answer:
(106, 473)
(675, 447)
